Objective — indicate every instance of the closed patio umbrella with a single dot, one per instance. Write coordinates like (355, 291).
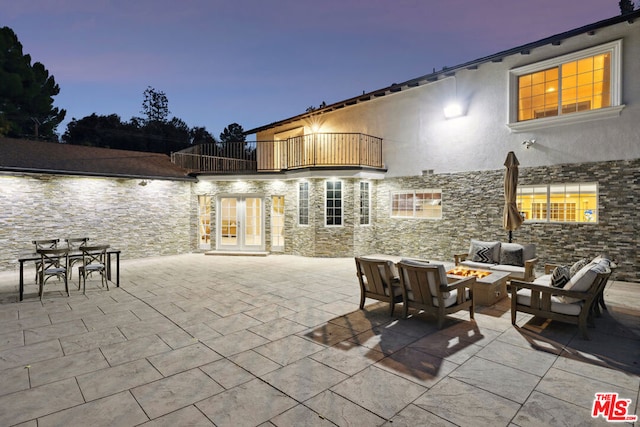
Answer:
(512, 218)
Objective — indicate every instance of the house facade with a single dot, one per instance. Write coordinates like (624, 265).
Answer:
(389, 172)
(397, 170)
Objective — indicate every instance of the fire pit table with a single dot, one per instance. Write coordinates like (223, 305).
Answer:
(490, 287)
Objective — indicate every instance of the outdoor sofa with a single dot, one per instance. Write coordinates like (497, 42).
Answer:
(514, 258)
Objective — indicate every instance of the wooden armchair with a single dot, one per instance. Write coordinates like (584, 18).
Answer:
(427, 288)
(569, 306)
(378, 282)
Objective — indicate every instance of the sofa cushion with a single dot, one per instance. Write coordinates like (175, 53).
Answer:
(512, 254)
(544, 280)
(480, 265)
(560, 276)
(558, 305)
(577, 266)
(485, 252)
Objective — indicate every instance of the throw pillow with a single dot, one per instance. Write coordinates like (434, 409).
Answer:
(512, 256)
(485, 252)
(560, 276)
(577, 266)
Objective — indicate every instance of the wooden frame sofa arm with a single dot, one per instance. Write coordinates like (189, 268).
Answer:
(529, 269)
(459, 258)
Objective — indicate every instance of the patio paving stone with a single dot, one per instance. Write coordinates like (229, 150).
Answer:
(288, 350)
(119, 378)
(248, 404)
(189, 416)
(341, 411)
(304, 378)
(466, 405)
(280, 341)
(48, 371)
(501, 380)
(39, 401)
(364, 388)
(175, 392)
(122, 352)
(118, 410)
(183, 359)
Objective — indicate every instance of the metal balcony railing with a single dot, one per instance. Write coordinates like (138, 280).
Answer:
(314, 150)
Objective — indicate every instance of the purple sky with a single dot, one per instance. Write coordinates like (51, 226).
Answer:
(258, 61)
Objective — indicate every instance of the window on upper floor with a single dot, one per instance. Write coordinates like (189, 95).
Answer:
(581, 86)
(333, 200)
(417, 204)
(365, 203)
(303, 203)
(559, 202)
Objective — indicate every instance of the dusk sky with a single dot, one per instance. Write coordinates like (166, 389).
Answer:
(254, 62)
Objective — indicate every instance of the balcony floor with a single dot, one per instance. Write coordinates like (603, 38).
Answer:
(279, 340)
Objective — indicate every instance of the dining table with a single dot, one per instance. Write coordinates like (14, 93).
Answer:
(33, 257)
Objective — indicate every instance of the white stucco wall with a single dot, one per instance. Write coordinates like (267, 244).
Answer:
(417, 137)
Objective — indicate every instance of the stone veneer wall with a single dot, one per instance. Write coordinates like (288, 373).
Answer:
(141, 221)
(472, 208)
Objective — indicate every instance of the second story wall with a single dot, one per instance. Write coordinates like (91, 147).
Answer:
(417, 136)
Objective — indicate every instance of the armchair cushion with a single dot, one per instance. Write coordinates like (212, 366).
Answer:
(583, 279)
(558, 305)
(485, 252)
(577, 266)
(441, 270)
(452, 298)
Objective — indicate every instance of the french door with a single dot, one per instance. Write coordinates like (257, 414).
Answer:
(240, 223)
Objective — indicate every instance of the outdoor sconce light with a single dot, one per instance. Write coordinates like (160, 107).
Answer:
(142, 183)
(528, 143)
(453, 110)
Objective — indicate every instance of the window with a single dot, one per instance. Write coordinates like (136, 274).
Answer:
(365, 203)
(559, 202)
(577, 87)
(303, 203)
(417, 204)
(333, 210)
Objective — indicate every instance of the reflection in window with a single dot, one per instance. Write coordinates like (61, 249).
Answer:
(365, 203)
(333, 212)
(559, 202)
(417, 204)
(303, 203)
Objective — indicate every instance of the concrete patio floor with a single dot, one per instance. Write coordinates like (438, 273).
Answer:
(279, 341)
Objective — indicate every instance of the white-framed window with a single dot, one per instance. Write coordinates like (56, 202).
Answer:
(566, 203)
(417, 204)
(303, 203)
(333, 203)
(365, 203)
(580, 86)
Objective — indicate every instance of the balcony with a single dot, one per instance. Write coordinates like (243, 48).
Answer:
(315, 150)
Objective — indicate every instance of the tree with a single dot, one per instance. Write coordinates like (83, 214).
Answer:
(626, 6)
(233, 133)
(155, 105)
(26, 93)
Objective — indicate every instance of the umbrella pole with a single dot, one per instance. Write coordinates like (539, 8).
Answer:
(510, 235)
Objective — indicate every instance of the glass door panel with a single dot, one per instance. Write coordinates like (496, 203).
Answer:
(204, 222)
(277, 223)
(228, 221)
(241, 223)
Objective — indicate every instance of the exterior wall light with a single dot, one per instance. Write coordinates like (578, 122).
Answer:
(528, 143)
(453, 110)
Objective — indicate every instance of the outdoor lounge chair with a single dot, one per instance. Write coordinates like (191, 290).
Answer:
(576, 303)
(427, 288)
(378, 282)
